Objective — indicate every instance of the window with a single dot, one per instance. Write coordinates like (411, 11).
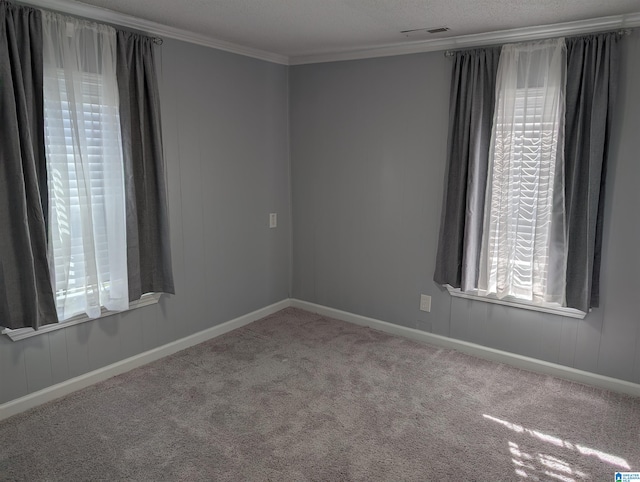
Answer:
(522, 217)
(88, 232)
(524, 162)
(523, 236)
(523, 247)
(87, 228)
(504, 236)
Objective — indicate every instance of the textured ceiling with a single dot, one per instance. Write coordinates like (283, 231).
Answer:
(306, 27)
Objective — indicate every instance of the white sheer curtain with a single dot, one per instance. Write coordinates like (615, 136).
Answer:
(87, 228)
(523, 252)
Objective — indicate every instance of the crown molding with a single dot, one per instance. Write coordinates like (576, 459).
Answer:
(73, 7)
(477, 40)
(99, 14)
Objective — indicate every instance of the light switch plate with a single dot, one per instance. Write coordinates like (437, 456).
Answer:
(425, 303)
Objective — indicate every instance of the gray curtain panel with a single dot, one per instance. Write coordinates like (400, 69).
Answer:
(471, 107)
(26, 295)
(148, 247)
(592, 79)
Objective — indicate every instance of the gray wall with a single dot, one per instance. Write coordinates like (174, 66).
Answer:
(368, 154)
(225, 124)
(368, 160)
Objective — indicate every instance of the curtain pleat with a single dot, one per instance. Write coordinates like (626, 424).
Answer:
(592, 79)
(471, 109)
(26, 295)
(148, 247)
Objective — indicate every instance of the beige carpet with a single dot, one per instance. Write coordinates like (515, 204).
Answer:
(297, 396)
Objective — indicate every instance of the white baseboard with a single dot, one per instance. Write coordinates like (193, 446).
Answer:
(65, 388)
(69, 386)
(518, 361)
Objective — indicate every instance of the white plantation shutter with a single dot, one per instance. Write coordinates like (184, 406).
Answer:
(84, 160)
(523, 239)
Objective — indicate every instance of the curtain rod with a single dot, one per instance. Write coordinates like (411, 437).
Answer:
(156, 40)
(623, 32)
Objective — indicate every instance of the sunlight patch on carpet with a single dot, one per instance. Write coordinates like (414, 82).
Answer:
(526, 464)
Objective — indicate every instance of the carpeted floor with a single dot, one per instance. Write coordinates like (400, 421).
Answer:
(297, 396)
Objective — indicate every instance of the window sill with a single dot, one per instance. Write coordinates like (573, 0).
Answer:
(555, 310)
(22, 333)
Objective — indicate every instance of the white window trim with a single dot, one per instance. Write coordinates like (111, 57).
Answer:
(516, 303)
(22, 333)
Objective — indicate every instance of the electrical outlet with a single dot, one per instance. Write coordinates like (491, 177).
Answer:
(425, 303)
(273, 220)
